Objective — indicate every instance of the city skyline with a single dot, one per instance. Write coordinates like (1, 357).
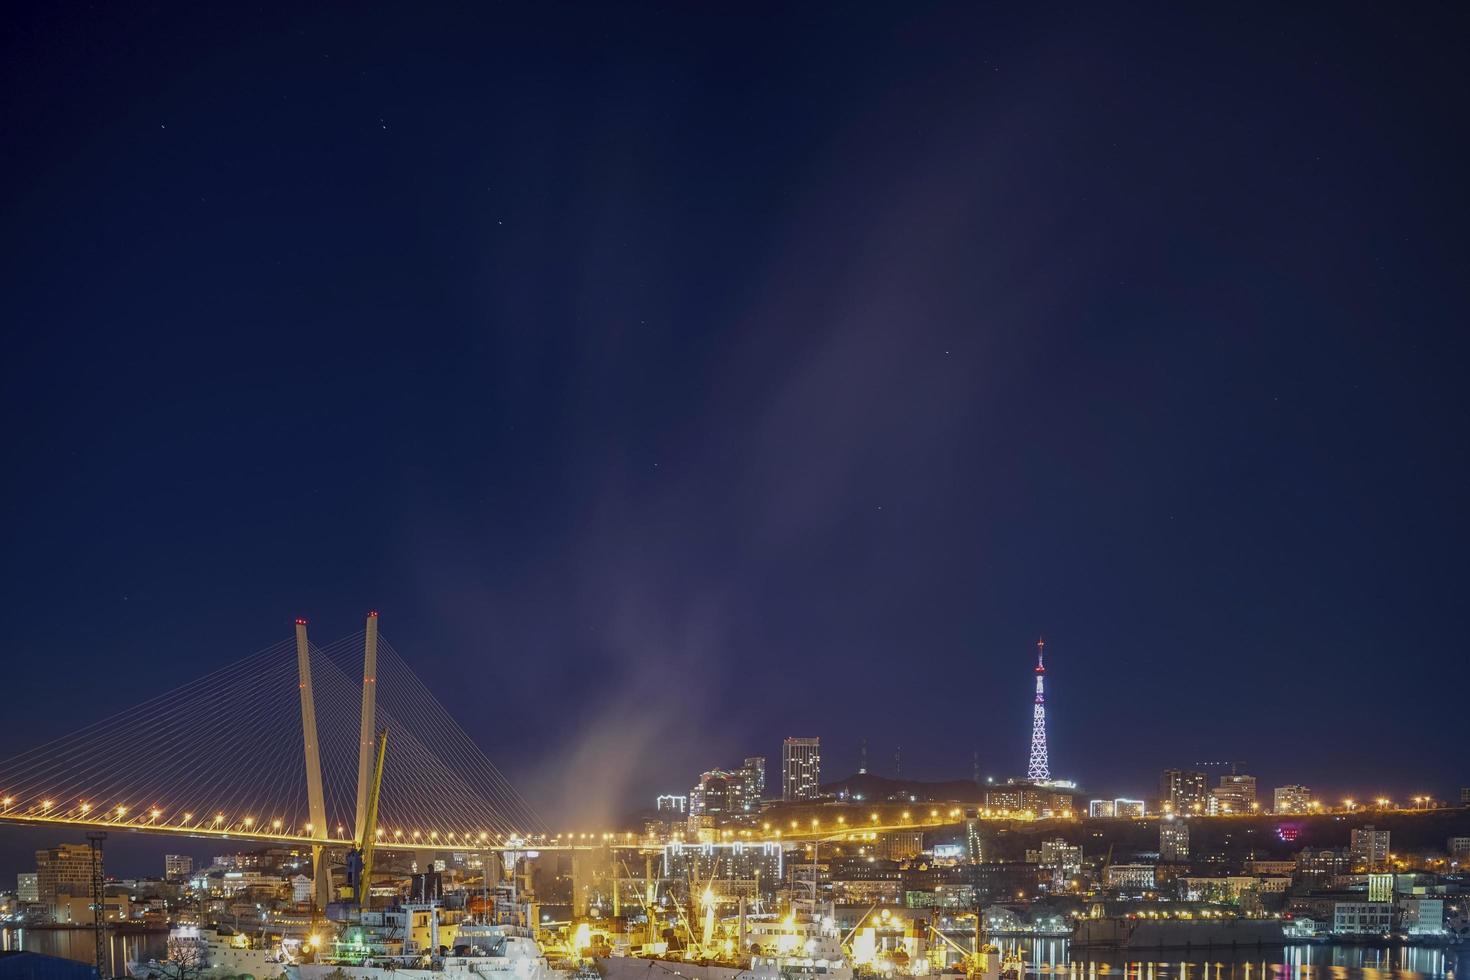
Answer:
(675, 383)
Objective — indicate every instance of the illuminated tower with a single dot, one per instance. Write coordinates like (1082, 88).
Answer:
(1039, 770)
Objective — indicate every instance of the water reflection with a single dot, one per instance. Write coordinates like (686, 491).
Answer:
(79, 944)
(1054, 958)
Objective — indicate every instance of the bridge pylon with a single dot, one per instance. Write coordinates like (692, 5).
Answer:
(367, 734)
(316, 799)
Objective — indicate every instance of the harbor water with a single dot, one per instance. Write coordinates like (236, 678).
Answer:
(81, 945)
(1044, 958)
(1308, 961)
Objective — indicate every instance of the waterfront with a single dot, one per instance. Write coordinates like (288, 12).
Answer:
(1049, 957)
(1043, 957)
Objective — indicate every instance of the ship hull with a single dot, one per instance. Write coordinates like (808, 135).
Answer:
(1177, 934)
(643, 968)
(487, 968)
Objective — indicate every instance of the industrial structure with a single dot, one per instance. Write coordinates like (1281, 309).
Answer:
(1039, 768)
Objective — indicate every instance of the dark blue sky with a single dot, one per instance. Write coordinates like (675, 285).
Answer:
(700, 375)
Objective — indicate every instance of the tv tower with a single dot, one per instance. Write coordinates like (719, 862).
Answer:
(1039, 770)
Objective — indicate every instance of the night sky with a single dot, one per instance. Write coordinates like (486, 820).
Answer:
(677, 378)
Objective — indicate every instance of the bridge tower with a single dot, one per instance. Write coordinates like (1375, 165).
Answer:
(315, 798)
(368, 734)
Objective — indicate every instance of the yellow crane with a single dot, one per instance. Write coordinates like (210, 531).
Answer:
(369, 841)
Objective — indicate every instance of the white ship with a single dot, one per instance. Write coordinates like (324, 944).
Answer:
(480, 952)
(208, 953)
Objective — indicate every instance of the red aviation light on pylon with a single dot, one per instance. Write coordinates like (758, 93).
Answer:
(373, 614)
(1040, 649)
(300, 621)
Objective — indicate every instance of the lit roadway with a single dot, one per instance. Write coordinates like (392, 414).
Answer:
(273, 832)
(219, 827)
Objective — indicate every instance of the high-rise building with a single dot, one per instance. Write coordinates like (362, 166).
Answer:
(1369, 848)
(1173, 840)
(672, 804)
(64, 868)
(177, 866)
(717, 793)
(1101, 808)
(1291, 799)
(1235, 794)
(753, 770)
(1183, 791)
(801, 768)
(27, 890)
(1038, 768)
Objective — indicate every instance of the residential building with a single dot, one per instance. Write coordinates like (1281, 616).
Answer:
(1023, 797)
(1362, 918)
(737, 862)
(64, 868)
(754, 771)
(1127, 808)
(177, 866)
(1173, 840)
(1129, 877)
(801, 768)
(1324, 863)
(27, 890)
(1458, 849)
(1235, 794)
(1063, 860)
(899, 845)
(1183, 791)
(1059, 854)
(867, 881)
(1101, 808)
(673, 805)
(1291, 799)
(718, 793)
(1369, 848)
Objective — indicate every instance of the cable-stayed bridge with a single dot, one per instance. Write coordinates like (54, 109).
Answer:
(335, 747)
